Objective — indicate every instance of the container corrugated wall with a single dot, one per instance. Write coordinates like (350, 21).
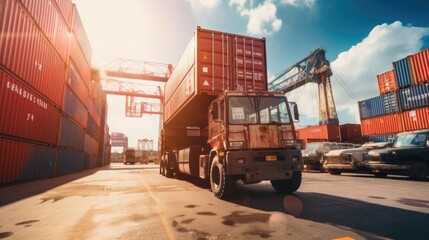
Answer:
(72, 135)
(76, 83)
(416, 119)
(45, 13)
(66, 9)
(414, 97)
(74, 108)
(350, 132)
(26, 52)
(69, 161)
(213, 62)
(382, 125)
(26, 114)
(81, 37)
(79, 60)
(20, 161)
(403, 73)
(387, 82)
(327, 132)
(378, 106)
(420, 66)
(93, 128)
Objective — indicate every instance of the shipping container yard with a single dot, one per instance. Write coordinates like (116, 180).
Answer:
(50, 101)
(219, 119)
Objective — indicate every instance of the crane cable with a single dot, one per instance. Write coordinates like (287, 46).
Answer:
(344, 86)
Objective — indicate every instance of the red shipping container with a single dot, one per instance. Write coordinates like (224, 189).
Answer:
(350, 132)
(48, 17)
(420, 66)
(81, 37)
(387, 124)
(212, 63)
(327, 132)
(79, 61)
(20, 161)
(387, 82)
(76, 83)
(66, 9)
(26, 52)
(25, 114)
(416, 119)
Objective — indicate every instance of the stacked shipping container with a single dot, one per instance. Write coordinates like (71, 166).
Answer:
(50, 118)
(403, 104)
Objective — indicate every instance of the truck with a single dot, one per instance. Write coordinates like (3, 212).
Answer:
(130, 156)
(221, 124)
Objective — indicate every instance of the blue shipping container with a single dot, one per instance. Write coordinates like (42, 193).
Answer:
(72, 135)
(379, 106)
(69, 161)
(414, 97)
(92, 128)
(22, 161)
(403, 74)
(74, 108)
(381, 138)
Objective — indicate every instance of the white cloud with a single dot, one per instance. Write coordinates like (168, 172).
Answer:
(262, 18)
(204, 3)
(299, 3)
(359, 66)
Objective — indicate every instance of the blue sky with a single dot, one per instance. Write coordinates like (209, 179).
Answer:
(362, 38)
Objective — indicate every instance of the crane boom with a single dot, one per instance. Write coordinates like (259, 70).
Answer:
(314, 68)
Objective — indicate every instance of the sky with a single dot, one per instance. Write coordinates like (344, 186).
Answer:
(362, 39)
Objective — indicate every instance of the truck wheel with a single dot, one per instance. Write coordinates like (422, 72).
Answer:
(286, 186)
(161, 169)
(418, 171)
(220, 183)
(380, 174)
(167, 171)
(334, 171)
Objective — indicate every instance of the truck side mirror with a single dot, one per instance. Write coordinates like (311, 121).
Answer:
(215, 111)
(295, 113)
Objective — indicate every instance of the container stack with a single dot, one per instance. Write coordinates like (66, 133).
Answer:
(403, 104)
(50, 112)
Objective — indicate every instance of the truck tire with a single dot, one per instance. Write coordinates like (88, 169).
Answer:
(161, 169)
(221, 184)
(418, 171)
(334, 171)
(286, 186)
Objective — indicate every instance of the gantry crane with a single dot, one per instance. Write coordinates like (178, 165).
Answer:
(314, 68)
(115, 75)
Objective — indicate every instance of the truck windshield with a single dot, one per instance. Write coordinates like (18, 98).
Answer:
(410, 140)
(258, 110)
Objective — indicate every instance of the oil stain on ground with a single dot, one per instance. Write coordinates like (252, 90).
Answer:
(27, 223)
(4, 235)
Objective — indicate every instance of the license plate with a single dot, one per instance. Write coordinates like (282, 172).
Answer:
(271, 158)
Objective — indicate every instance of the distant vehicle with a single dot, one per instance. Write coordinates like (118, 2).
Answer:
(130, 156)
(376, 145)
(346, 160)
(408, 155)
(313, 154)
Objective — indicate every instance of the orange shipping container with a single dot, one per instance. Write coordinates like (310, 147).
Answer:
(420, 66)
(387, 82)
(326, 132)
(212, 63)
(387, 124)
(416, 119)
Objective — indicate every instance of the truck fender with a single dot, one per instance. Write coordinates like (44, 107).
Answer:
(215, 152)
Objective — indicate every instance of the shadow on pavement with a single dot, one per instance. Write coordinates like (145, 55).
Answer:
(372, 221)
(12, 193)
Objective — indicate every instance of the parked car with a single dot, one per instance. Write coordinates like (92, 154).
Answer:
(313, 154)
(345, 160)
(408, 155)
(376, 145)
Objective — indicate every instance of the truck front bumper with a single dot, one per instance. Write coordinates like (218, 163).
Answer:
(263, 165)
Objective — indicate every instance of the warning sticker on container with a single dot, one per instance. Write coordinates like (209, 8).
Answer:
(205, 83)
(237, 113)
(205, 69)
